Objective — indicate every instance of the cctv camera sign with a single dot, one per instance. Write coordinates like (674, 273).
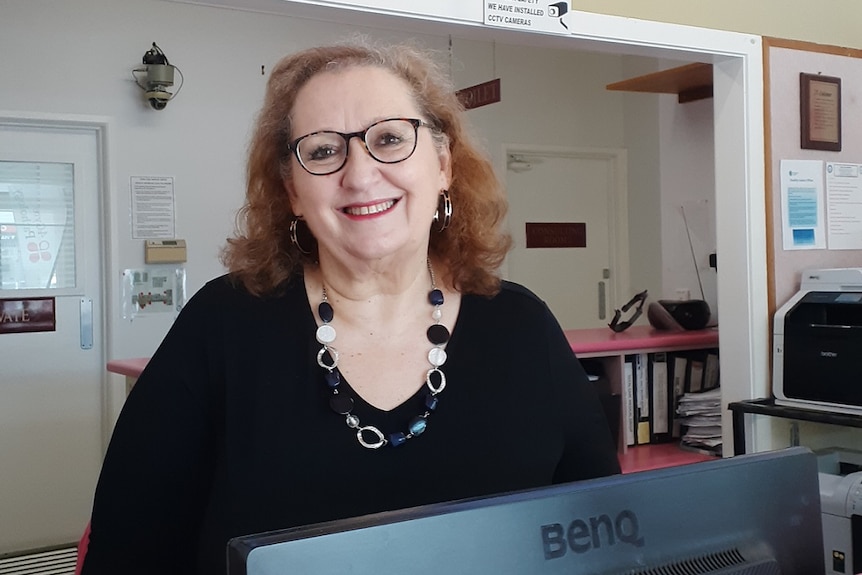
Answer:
(530, 15)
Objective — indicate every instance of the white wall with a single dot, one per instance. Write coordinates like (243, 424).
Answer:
(672, 164)
(644, 182)
(76, 58)
(549, 97)
(688, 181)
(557, 98)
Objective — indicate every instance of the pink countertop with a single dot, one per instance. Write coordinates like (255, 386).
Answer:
(583, 341)
(128, 367)
(637, 337)
(657, 456)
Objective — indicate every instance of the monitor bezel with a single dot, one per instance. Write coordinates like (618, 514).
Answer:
(801, 460)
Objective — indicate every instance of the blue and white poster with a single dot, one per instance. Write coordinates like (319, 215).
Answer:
(802, 205)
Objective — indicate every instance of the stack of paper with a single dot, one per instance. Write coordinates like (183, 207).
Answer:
(700, 416)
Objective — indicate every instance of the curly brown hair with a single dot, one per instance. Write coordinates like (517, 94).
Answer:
(261, 255)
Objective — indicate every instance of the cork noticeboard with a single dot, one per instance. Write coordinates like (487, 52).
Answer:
(784, 62)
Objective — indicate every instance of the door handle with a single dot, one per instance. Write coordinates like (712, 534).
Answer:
(602, 301)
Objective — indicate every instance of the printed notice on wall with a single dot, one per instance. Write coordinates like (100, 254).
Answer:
(529, 15)
(844, 200)
(802, 205)
(152, 207)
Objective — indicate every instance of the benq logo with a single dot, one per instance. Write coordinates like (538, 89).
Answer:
(582, 536)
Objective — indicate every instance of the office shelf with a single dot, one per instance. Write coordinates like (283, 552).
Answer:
(767, 406)
(609, 349)
(690, 82)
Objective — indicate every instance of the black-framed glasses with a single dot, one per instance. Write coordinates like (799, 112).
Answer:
(638, 300)
(388, 141)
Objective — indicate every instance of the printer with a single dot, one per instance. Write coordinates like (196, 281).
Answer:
(817, 343)
(840, 476)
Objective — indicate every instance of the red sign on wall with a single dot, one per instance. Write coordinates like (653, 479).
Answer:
(26, 315)
(480, 94)
(556, 235)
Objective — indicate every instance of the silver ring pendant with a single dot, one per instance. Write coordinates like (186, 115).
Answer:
(333, 353)
(430, 385)
(381, 441)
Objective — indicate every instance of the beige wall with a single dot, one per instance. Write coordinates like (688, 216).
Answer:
(833, 22)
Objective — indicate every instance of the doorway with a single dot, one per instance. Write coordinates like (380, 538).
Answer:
(583, 187)
(51, 410)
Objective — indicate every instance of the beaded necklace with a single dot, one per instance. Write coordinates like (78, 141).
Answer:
(370, 436)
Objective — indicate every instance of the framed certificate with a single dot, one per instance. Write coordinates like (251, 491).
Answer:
(820, 112)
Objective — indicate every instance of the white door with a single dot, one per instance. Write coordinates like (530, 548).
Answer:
(582, 285)
(51, 381)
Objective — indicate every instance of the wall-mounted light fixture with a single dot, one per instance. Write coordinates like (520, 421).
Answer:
(155, 77)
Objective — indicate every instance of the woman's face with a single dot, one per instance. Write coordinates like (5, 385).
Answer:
(367, 210)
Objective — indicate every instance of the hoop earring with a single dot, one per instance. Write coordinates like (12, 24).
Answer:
(293, 239)
(443, 215)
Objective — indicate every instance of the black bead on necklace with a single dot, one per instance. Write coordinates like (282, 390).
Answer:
(368, 435)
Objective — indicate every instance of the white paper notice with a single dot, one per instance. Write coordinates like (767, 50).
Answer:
(802, 205)
(528, 15)
(152, 207)
(844, 198)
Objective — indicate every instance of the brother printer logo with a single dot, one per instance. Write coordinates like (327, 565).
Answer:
(828, 354)
(583, 535)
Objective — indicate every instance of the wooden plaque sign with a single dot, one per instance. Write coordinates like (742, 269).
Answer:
(27, 315)
(480, 94)
(820, 112)
(556, 235)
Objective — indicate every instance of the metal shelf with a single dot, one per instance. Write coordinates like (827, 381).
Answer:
(767, 406)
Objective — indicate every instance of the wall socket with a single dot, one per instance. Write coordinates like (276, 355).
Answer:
(682, 294)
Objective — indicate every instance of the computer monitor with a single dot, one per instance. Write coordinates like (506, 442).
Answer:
(750, 514)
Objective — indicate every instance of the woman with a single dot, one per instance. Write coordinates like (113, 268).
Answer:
(361, 355)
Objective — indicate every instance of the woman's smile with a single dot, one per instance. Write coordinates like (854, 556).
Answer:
(370, 209)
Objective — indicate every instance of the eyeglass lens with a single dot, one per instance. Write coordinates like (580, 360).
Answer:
(388, 141)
